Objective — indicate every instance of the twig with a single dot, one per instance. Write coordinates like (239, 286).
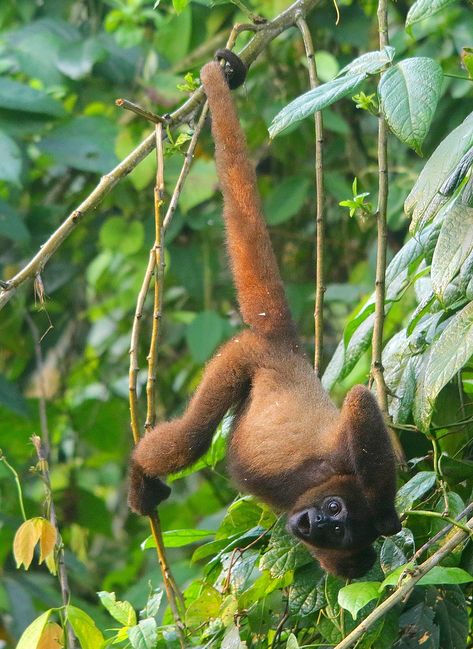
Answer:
(61, 566)
(319, 189)
(158, 283)
(16, 478)
(430, 514)
(377, 371)
(42, 447)
(405, 588)
(258, 43)
(185, 168)
(466, 512)
(142, 112)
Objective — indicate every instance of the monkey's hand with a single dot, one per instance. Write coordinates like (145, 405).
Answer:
(145, 493)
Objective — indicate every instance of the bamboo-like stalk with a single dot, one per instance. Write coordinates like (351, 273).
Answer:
(141, 112)
(405, 588)
(258, 43)
(377, 371)
(320, 194)
(156, 266)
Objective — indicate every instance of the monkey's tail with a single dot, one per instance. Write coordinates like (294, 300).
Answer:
(260, 290)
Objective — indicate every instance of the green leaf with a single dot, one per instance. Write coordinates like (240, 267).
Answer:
(397, 550)
(123, 612)
(76, 60)
(286, 199)
(203, 335)
(10, 160)
(84, 628)
(422, 9)
(20, 97)
(144, 635)
(393, 577)
(179, 5)
(206, 606)
(11, 224)
(355, 596)
(292, 642)
(32, 634)
(424, 201)
(315, 100)
(369, 63)
(448, 354)
(200, 184)
(455, 471)
(451, 615)
(415, 488)
(408, 95)
(284, 553)
(125, 236)
(418, 628)
(178, 538)
(305, 596)
(84, 143)
(442, 575)
(454, 244)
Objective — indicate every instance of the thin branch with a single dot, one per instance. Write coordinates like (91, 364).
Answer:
(258, 43)
(405, 588)
(445, 530)
(142, 112)
(319, 189)
(43, 462)
(185, 168)
(430, 514)
(42, 447)
(377, 370)
(16, 478)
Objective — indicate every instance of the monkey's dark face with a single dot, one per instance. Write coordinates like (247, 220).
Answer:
(330, 524)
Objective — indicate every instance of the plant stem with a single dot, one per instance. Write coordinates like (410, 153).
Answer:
(377, 370)
(17, 482)
(404, 590)
(466, 512)
(319, 189)
(429, 514)
(138, 110)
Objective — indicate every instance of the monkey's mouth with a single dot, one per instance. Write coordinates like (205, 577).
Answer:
(304, 525)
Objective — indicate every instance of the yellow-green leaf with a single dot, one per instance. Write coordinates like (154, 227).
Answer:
(24, 542)
(47, 539)
(32, 634)
(84, 627)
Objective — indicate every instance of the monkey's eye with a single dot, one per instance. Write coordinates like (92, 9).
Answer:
(337, 530)
(334, 507)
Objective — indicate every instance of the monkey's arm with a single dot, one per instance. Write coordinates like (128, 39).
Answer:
(260, 290)
(371, 455)
(174, 445)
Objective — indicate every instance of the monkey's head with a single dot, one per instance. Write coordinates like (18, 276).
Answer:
(340, 518)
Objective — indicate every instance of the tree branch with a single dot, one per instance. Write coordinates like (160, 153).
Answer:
(405, 588)
(258, 43)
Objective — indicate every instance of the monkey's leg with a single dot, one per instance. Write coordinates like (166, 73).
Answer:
(176, 444)
(260, 290)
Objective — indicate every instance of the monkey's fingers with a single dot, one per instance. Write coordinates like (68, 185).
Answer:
(145, 493)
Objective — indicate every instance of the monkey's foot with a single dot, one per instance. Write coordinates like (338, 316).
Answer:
(145, 493)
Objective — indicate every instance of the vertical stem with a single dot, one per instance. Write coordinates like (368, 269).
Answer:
(42, 447)
(156, 266)
(319, 188)
(377, 370)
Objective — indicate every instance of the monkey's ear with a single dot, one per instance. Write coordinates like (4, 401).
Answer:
(371, 455)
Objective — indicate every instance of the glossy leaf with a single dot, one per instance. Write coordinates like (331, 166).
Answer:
(144, 635)
(84, 628)
(315, 100)
(123, 612)
(355, 596)
(408, 95)
(422, 9)
(178, 538)
(369, 63)
(415, 488)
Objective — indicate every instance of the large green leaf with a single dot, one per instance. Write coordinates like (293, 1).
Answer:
(19, 97)
(286, 199)
(305, 594)
(451, 615)
(32, 634)
(355, 596)
(422, 9)
(178, 538)
(85, 143)
(123, 612)
(415, 488)
(369, 63)
(408, 95)
(315, 100)
(84, 628)
(203, 335)
(424, 201)
(448, 354)
(454, 244)
(10, 160)
(144, 635)
(284, 552)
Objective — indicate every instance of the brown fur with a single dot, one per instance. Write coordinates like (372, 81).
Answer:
(290, 445)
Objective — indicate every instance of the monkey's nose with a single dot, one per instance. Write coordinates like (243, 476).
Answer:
(300, 524)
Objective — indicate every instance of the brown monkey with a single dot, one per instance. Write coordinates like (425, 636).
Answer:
(333, 472)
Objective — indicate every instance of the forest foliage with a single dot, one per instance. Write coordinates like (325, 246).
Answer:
(65, 338)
